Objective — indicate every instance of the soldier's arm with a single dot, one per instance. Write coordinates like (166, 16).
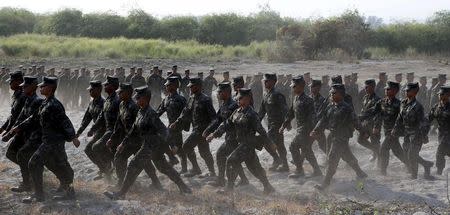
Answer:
(262, 110)
(210, 109)
(161, 128)
(87, 118)
(225, 126)
(99, 123)
(185, 116)
(213, 125)
(60, 119)
(118, 126)
(161, 108)
(289, 115)
(322, 123)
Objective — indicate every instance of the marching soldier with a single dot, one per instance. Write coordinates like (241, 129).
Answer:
(257, 91)
(412, 121)
(106, 120)
(320, 105)
(302, 109)
(155, 84)
(173, 104)
(367, 118)
(56, 130)
(381, 84)
(228, 106)
(441, 113)
(184, 82)
(129, 76)
(434, 97)
(245, 121)
(153, 134)
(325, 88)
(274, 105)
(209, 83)
(138, 80)
(386, 112)
(200, 112)
(422, 95)
(339, 120)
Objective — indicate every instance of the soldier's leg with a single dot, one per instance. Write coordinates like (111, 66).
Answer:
(121, 160)
(36, 166)
(188, 148)
(294, 148)
(177, 140)
(205, 153)
(88, 150)
(442, 151)
(322, 142)
(350, 159)
(23, 157)
(334, 156)
(60, 166)
(398, 150)
(281, 148)
(234, 161)
(16, 143)
(164, 167)
(308, 153)
(416, 146)
(221, 158)
(103, 156)
(363, 139)
(254, 166)
(383, 159)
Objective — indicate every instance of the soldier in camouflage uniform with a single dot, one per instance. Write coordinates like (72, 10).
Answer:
(56, 130)
(130, 74)
(83, 81)
(173, 104)
(434, 97)
(245, 122)
(338, 119)
(155, 83)
(138, 80)
(422, 95)
(325, 88)
(200, 112)
(184, 90)
(412, 123)
(92, 113)
(441, 113)
(226, 76)
(227, 107)
(302, 109)
(257, 91)
(274, 105)
(102, 156)
(209, 83)
(386, 112)
(153, 134)
(320, 105)
(381, 84)
(367, 117)
(18, 101)
(30, 133)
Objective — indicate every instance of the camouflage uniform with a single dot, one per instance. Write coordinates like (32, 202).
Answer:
(155, 83)
(366, 119)
(441, 113)
(320, 104)
(208, 84)
(138, 81)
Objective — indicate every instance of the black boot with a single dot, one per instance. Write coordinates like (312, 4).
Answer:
(34, 198)
(427, 174)
(114, 195)
(21, 188)
(69, 194)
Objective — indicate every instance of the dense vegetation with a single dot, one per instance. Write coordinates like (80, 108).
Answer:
(261, 35)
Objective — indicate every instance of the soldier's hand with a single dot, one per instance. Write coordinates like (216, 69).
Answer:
(174, 150)
(90, 134)
(312, 134)
(172, 126)
(204, 135)
(120, 147)
(281, 130)
(76, 142)
(14, 130)
(209, 138)
(109, 144)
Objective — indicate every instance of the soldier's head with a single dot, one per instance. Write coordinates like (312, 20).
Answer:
(347, 79)
(48, 86)
(336, 79)
(411, 90)
(337, 92)
(434, 81)
(172, 84)
(143, 96)
(132, 70)
(307, 77)
(155, 69)
(248, 79)
(410, 77)
(111, 84)
(95, 88)
(442, 78)
(315, 87)
(298, 85)
(270, 79)
(211, 72)
(139, 71)
(391, 89)
(29, 85)
(245, 97)
(354, 78)
(382, 77)
(369, 86)
(15, 79)
(444, 94)
(125, 91)
(325, 79)
(195, 85)
(398, 77)
(174, 68)
(238, 83)
(200, 75)
(423, 80)
(187, 72)
(224, 91)
(226, 76)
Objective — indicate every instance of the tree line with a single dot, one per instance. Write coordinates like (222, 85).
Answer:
(349, 32)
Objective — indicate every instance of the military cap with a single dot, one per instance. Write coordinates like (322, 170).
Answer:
(370, 82)
(139, 69)
(200, 74)
(211, 69)
(354, 74)
(224, 86)
(423, 78)
(142, 91)
(306, 73)
(174, 66)
(398, 74)
(34, 65)
(382, 73)
(168, 73)
(3, 68)
(338, 87)
(270, 76)
(172, 80)
(337, 79)
(444, 89)
(125, 87)
(316, 83)
(48, 81)
(410, 73)
(392, 85)
(14, 76)
(226, 73)
(238, 80)
(194, 81)
(347, 76)
(94, 84)
(244, 92)
(187, 71)
(442, 76)
(111, 80)
(155, 67)
(297, 80)
(133, 67)
(29, 80)
(410, 86)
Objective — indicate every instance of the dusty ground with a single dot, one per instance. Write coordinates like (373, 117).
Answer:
(395, 193)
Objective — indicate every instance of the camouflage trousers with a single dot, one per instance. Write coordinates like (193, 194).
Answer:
(363, 139)
(412, 145)
(442, 151)
(176, 139)
(101, 155)
(14, 146)
(390, 143)
(53, 156)
(301, 149)
(23, 157)
(121, 158)
(281, 153)
(195, 139)
(221, 159)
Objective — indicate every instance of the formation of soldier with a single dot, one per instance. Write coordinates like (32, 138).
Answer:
(128, 136)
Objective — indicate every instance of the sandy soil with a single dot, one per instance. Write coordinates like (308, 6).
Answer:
(394, 193)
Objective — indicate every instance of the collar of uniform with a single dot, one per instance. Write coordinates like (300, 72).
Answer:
(112, 95)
